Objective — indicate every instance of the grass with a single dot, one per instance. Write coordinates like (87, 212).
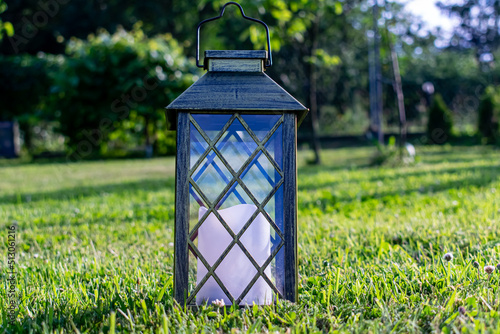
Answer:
(95, 251)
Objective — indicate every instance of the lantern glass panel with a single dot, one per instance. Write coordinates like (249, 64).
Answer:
(198, 146)
(260, 177)
(236, 145)
(261, 125)
(236, 195)
(236, 208)
(195, 202)
(211, 123)
(211, 176)
(274, 146)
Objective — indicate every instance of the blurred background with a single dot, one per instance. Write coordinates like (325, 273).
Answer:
(85, 79)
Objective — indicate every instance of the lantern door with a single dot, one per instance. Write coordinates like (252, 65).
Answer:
(235, 238)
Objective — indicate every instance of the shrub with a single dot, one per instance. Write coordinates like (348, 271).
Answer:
(393, 155)
(440, 123)
(111, 91)
(488, 116)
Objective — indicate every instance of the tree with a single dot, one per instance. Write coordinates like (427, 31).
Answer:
(479, 26)
(47, 25)
(440, 123)
(298, 32)
(489, 114)
(116, 82)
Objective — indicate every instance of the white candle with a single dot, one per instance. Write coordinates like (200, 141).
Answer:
(236, 270)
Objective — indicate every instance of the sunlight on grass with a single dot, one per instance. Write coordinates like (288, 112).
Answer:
(95, 247)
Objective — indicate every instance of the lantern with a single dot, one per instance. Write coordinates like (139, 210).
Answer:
(236, 182)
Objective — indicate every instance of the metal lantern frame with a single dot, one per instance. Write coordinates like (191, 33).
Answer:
(214, 93)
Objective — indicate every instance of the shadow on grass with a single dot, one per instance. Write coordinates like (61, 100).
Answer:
(332, 163)
(79, 192)
(488, 175)
(454, 159)
(492, 172)
(313, 170)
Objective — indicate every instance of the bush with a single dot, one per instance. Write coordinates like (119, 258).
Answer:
(393, 155)
(440, 123)
(488, 116)
(111, 92)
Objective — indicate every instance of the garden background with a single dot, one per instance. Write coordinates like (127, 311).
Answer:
(86, 82)
(90, 79)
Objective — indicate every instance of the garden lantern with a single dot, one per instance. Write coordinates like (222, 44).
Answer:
(236, 182)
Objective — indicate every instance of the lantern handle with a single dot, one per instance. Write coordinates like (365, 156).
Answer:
(269, 61)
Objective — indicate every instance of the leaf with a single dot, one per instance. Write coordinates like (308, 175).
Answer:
(144, 308)
(383, 248)
(255, 326)
(9, 28)
(255, 309)
(338, 8)
(162, 292)
(451, 301)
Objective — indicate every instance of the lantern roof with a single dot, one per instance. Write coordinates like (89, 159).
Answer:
(236, 81)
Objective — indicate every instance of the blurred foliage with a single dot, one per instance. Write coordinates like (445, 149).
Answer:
(440, 123)
(23, 84)
(47, 25)
(87, 54)
(478, 28)
(22, 80)
(489, 115)
(385, 154)
(393, 155)
(6, 27)
(111, 89)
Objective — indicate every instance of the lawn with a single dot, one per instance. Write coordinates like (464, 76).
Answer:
(95, 247)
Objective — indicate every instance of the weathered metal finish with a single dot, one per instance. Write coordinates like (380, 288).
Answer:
(290, 204)
(235, 61)
(181, 232)
(237, 91)
(229, 65)
(236, 54)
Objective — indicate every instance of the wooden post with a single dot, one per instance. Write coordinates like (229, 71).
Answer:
(376, 104)
(398, 87)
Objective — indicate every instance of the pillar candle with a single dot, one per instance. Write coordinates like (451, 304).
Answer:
(236, 270)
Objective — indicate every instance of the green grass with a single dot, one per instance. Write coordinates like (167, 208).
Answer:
(95, 248)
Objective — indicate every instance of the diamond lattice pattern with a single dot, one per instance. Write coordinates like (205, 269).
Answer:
(236, 163)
